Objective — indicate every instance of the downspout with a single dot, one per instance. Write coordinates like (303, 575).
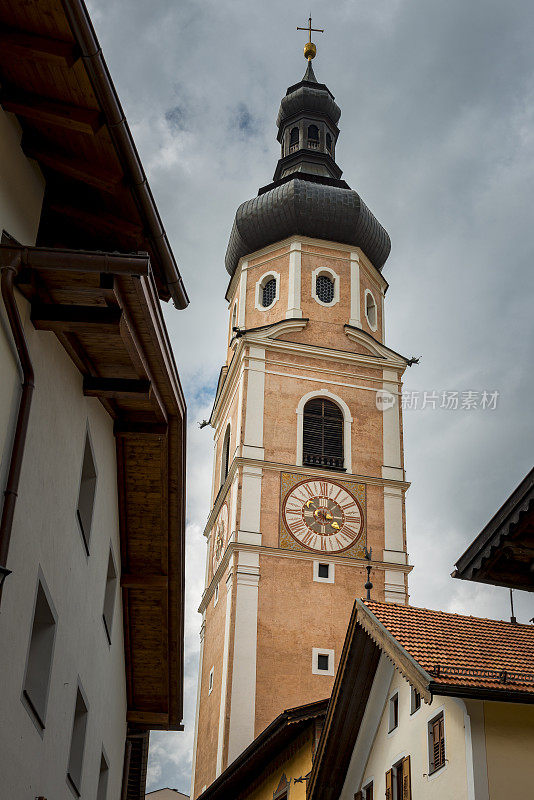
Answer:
(9, 273)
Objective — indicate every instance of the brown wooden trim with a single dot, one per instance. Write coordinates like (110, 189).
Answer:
(144, 581)
(73, 167)
(52, 112)
(106, 222)
(116, 387)
(125, 428)
(61, 318)
(151, 719)
(16, 44)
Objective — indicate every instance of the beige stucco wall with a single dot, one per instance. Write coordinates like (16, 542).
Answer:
(509, 731)
(45, 537)
(284, 612)
(297, 765)
(411, 738)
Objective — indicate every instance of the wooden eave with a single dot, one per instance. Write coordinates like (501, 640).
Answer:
(54, 79)
(503, 552)
(240, 777)
(112, 328)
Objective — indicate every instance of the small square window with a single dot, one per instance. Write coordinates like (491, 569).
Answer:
(322, 662)
(393, 712)
(323, 572)
(415, 700)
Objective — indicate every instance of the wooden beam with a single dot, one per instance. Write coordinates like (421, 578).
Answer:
(15, 44)
(116, 388)
(52, 112)
(59, 318)
(153, 719)
(123, 427)
(144, 581)
(72, 167)
(102, 221)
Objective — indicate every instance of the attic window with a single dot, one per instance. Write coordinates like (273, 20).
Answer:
(86, 494)
(393, 712)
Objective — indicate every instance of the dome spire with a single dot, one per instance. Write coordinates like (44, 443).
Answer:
(309, 48)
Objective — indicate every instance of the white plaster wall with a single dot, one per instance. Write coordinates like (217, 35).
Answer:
(21, 184)
(45, 536)
(411, 738)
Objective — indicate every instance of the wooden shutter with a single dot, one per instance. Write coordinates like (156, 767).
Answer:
(323, 434)
(389, 785)
(438, 742)
(406, 779)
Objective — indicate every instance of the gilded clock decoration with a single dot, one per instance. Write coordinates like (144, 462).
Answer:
(323, 515)
(220, 536)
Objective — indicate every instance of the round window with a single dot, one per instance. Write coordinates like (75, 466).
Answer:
(268, 293)
(324, 288)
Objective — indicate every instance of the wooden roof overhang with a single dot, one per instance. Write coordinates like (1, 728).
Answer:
(503, 552)
(104, 310)
(241, 776)
(54, 78)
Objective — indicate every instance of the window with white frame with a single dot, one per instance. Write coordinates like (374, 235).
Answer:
(371, 312)
(210, 681)
(436, 743)
(267, 291)
(225, 455)
(322, 661)
(234, 319)
(216, 595)
(323, 572)
(102, 790)
(325, 286)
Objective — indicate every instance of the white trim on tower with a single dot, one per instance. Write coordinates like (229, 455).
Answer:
(253, 443)
(242, 296)
(243, 700)
(355, 312)
(224, 674)
(294, 283)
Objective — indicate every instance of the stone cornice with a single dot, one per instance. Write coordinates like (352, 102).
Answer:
(234, 547)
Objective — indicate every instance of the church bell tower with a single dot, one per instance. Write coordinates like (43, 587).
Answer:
(308, 469)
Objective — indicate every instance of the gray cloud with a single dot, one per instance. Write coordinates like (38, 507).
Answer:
(437, 134)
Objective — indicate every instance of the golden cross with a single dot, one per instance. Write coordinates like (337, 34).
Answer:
(310, 29)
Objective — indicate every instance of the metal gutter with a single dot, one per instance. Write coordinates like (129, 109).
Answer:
(84, 33)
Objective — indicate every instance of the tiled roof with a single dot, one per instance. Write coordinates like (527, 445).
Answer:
(462, 651)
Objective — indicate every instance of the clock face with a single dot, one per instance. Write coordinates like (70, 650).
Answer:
(221, 531)
(323, 516)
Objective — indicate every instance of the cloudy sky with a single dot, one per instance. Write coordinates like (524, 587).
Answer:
(437, 135)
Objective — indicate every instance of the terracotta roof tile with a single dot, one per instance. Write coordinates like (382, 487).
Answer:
(461, 650)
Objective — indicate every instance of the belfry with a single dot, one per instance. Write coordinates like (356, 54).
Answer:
(308, 468)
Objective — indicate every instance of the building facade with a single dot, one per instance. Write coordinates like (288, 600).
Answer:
(428, 705)
(92, 428)
(308, 468)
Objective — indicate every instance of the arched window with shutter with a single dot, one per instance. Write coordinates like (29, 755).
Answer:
(322, 435)
(225, 455)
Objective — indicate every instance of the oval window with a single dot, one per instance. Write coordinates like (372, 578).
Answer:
(268, 293)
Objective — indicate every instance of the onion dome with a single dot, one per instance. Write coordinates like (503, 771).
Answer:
(307, 196)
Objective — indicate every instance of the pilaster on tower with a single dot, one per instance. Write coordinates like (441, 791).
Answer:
(308, 454)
